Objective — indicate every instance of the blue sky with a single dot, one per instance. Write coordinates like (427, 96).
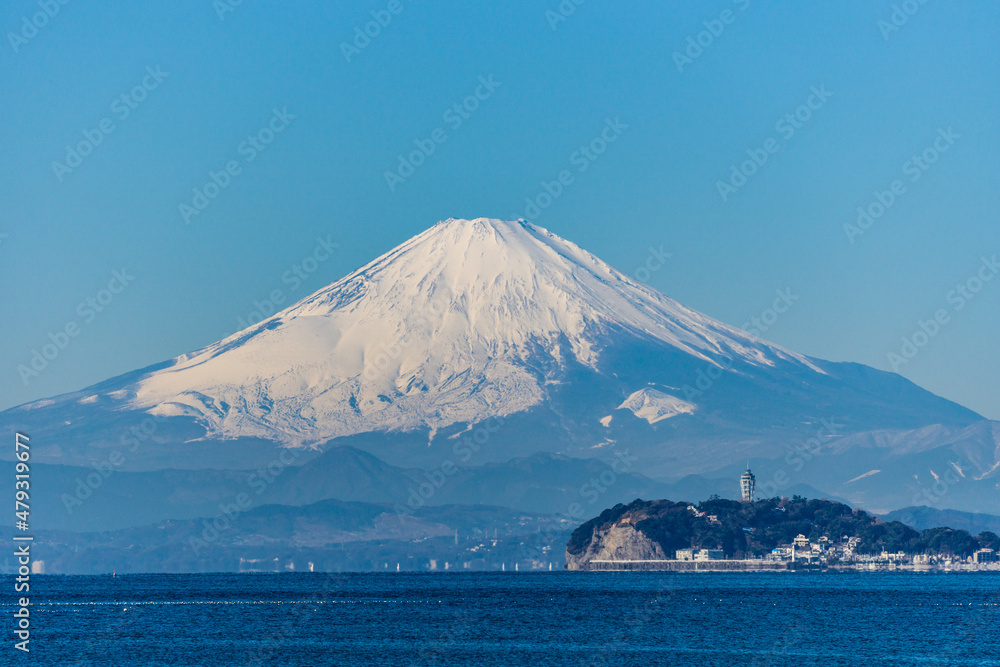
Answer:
(206, 89)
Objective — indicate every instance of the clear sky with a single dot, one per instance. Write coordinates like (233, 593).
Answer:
(310, 127)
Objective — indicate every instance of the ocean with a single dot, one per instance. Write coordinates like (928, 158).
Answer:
(552, 618)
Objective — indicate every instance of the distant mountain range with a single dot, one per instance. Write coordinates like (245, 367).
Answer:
(330, 535)
(519, 369)
(923, 518)
(78, 498)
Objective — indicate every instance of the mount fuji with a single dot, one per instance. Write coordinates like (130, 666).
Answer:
(481, 341)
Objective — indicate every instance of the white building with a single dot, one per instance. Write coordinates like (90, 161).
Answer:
(747, 483)
(984, 556)
(700, 554)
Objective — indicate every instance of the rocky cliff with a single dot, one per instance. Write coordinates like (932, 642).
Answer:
(619, 541)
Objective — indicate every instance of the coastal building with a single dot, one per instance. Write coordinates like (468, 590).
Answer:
(847, 553)
(780, 553)
(984, 556)
(747, 483)
(700, 554)
(852, 546)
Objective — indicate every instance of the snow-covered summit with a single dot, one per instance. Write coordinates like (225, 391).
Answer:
(446, 327)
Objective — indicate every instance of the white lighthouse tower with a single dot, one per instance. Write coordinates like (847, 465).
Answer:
(747, 481)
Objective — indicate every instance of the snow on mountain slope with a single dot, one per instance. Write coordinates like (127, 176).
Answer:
(655, 406)
(449, 327)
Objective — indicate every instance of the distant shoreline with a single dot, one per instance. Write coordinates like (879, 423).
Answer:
(773, 566)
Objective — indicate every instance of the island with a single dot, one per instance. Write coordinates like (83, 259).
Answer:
(768, 534)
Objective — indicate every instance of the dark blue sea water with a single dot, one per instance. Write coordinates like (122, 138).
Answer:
(513, 619)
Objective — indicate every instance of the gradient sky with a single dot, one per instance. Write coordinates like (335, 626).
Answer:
(656, 185)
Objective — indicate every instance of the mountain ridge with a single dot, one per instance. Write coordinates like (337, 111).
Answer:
(506, 333)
